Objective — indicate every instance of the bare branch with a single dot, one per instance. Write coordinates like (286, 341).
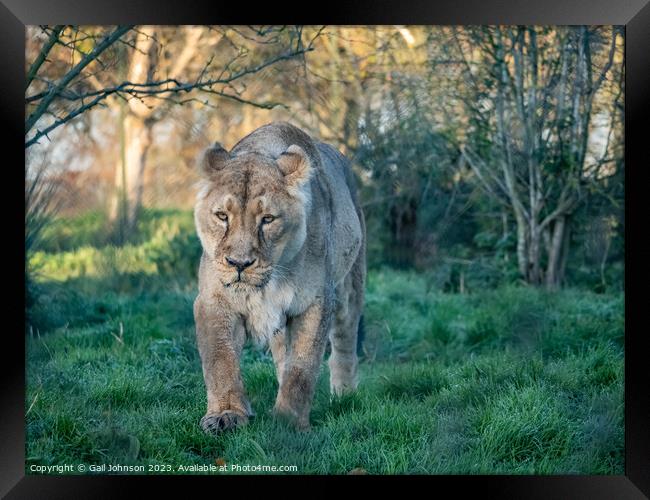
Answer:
(54, 37)
(610, 60)
(476, 164)
(164, 87)
(564, 206)
(67, 118)
(56, 90)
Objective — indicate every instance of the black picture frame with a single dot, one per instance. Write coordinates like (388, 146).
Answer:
(634, 14)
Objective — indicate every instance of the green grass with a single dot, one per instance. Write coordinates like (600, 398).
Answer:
(511, 380)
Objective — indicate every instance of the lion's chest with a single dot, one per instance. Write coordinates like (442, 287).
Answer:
(265, 311)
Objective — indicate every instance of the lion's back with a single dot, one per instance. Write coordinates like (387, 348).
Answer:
(348, 230)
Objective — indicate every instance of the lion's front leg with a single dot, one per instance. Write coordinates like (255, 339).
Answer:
(220, 338)
(308, 336)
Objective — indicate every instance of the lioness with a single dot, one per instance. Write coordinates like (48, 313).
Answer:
(283, 262)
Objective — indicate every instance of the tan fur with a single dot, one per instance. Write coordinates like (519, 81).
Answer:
(290, 281)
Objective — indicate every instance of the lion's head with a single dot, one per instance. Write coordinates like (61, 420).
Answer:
(251, 213)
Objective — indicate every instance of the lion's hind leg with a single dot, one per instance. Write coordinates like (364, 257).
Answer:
(343, 361)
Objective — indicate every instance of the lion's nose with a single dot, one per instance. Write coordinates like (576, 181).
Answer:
(240, 265)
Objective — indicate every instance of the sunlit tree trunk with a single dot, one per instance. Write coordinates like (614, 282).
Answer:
(135, 141)
(138, 119)
(129, 176)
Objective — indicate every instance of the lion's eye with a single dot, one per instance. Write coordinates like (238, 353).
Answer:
(267, 219)
(221, 216)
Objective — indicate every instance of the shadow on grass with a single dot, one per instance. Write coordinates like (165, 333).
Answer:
(85, 301)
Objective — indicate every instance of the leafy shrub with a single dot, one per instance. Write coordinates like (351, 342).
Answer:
(175, 250)
(171, 249)
(64, 234)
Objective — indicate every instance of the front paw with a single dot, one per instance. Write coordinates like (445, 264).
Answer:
(216, 422)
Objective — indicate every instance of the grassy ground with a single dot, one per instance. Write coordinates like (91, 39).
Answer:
(512, 380)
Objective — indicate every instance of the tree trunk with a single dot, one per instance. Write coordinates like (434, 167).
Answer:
(138, 141)
(557, 247)
(117, 209)
(350, 124)
(522, 258)
(534, 256)
(565, 250)
(403, 224)
(135, 139)
(506, 234)
(129, 179)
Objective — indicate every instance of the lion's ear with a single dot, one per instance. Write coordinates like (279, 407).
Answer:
(295, 166)
(213, 160)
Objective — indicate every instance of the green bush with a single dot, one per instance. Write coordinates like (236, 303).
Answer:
(169, 248)
(64, 234)
(174, 248)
